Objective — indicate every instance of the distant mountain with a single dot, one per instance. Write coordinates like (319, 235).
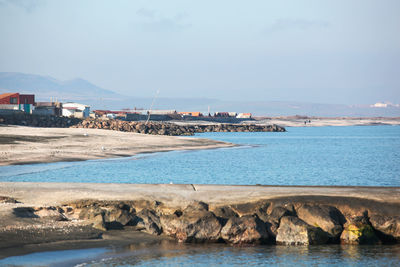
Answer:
(45, 87)
(79, 90)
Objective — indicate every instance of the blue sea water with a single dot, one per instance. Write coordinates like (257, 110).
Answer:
(354, 155)
(215, 255)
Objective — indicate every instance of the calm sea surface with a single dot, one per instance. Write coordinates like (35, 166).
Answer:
(215, 255)
(359, 155)
(302, 156)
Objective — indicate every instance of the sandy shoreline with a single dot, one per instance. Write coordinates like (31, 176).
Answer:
(318, 122)
(26, 145)
(176, 195)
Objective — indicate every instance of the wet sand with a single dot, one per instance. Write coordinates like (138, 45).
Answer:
(25, 145)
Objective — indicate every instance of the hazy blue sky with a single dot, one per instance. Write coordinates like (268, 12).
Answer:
(339, 51)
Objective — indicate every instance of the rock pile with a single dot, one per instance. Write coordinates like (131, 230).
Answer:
(164, 128)
(25, 119)
(263, 222)
(152, 127)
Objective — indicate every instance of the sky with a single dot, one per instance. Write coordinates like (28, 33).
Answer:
(339, 51)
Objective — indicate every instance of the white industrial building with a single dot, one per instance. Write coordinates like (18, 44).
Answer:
(75, 110)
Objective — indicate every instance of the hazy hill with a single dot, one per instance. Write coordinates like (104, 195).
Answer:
(45, 87)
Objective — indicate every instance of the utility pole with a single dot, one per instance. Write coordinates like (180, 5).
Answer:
(152, 103)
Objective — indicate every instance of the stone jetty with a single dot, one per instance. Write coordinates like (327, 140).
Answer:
(165, 128)
(284, 221)
(236, 215)
(25, 119)
(151, 127)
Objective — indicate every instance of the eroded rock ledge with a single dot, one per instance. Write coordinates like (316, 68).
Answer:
(298, 220)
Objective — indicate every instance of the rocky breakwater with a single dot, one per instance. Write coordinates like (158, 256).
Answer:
(37, 120)
(281, 221)
(164, 128)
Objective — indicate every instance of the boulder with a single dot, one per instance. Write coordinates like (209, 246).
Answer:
(244, 230)
(95, 216)
(250, 208)
(357, 233)
(50, 213)
(98, 222)
(272, 220)
(117, 216)
(294, 231)
(147, 221)
(224, 212)
(145, 204)
(196, 206)
(113, 216)
(327, 218)
(388, 226)
(192, 226)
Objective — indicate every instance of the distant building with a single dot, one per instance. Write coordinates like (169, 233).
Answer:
(16, 101)
(221, 114)
(232, 114)
(75, 110)
(379, 105)
(191, 113)
(384, 105)
(244, 116)
(156, 112)
(48, 108)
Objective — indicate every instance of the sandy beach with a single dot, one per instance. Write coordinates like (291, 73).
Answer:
(23, 145)
(317, 122)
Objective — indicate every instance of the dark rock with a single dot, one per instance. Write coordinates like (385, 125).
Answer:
(192, 226)
(25, 212)
(388, 226)
(276, 214)
(4, 199)
(117, 216)
(196, 206)
(325, 217)
(272, 229)
(145, 204)
(98, 222)
(273, 219)
(244, 230)
(95, 216)
(50, 213)
(147, 221)
(224, 212)
(250, 208)
(294, 231)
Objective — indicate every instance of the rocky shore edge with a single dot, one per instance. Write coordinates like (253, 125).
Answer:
(292, 220)
(151, 127)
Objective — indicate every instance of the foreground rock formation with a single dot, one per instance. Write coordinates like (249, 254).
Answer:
(290, 220)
